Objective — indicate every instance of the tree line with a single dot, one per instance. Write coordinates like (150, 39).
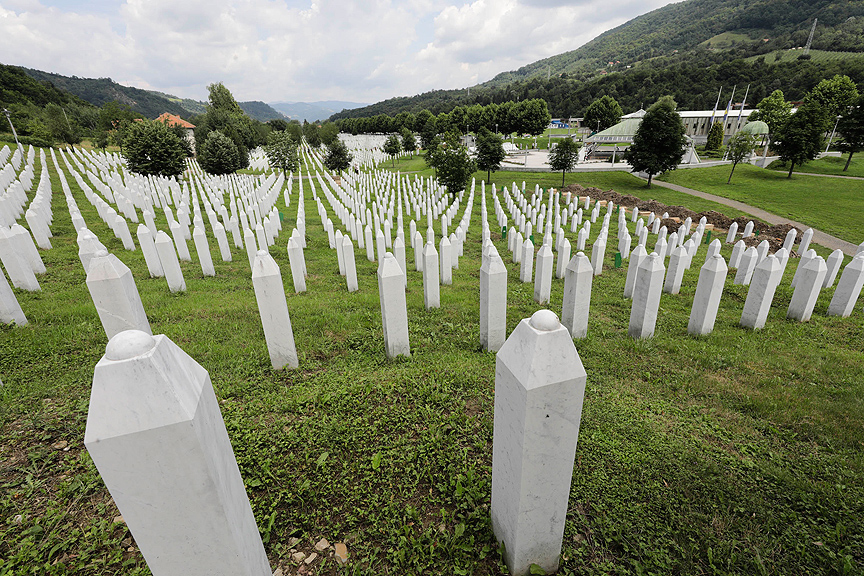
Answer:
(524, 117)
(692, 79)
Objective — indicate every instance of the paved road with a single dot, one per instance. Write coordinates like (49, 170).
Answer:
(831, 242)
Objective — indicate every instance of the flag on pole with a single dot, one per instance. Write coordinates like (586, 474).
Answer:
(741, 111)
(728, 107)
(717, 103)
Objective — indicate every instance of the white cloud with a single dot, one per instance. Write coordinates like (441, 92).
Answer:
(300, 49)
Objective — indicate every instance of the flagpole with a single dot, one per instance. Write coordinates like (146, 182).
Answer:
(741, 111)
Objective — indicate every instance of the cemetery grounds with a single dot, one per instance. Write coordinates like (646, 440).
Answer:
(735, 453)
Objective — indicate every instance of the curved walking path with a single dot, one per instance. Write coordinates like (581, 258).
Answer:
(831, 242)
(829, 175)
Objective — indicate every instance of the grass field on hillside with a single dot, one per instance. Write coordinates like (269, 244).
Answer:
(734, 453)
(829, 204)
(827, 165)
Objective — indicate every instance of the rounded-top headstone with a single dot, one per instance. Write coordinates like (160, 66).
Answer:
(129, 344)
(545, 321)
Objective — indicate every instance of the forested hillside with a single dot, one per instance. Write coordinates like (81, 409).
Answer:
(752, 26)
(688, 50)
(260, 110)
(98, 91)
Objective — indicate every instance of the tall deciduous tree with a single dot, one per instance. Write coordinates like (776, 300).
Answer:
(329, 131)
(774, 111)
(218, 154)
(312, 134)
(603, 113)
(534, 116)
(490, 151)
(153, 149)
(659, 141)
(563, 157)
(225, 116)
(834, 96)
(851, 130)
(454, 165)
(392, 146)
(801, 137)
(338, 158)
(409, 142)
(281, 151)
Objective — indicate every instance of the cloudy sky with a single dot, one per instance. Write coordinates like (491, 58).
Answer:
(300, 50)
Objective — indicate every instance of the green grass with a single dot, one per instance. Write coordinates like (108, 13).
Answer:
(827, 165)
(815, 56)
(735, 453)
(725, 40)
(828, 204)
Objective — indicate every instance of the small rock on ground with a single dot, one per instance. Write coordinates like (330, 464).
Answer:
(341, 553)
(311, 558)
(322, 545)
(298, 557)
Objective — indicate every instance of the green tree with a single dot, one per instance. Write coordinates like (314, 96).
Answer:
(800, 139)
(278, 124)
(58, 124)
(455, 167)
(851, 130)
(774, 111)
(281, 151)
(225, 115)
(409, 142)
(428, 129)
(220, 98)
(329, 131)
(603, 113)
(715, 137)
(100, 139)
(490, 151)
(338, 158)
(392, 146)
(659, 141)
(564, 156)
(218, 154)
(534, 116)
(153, 149)
(740, 146)
(312, 134)
(834, 96)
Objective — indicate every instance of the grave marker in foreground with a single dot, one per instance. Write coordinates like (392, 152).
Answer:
(539, 388)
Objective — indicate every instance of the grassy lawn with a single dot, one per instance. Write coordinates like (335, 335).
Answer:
(735, 453)
(828, 204)
(827, 165)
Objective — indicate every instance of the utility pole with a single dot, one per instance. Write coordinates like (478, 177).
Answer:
(14, 133)
(810, 39)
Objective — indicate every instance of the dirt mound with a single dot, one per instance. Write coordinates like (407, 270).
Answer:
(774, 234)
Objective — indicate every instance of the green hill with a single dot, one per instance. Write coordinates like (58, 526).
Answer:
(254, 109)
(688, 50)
(98, 91)
(756, 26)
(17, 87)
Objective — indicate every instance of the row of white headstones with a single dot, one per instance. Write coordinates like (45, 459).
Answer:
(141, 362)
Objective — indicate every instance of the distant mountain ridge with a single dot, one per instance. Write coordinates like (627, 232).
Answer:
(152, 103)
(312, 111)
